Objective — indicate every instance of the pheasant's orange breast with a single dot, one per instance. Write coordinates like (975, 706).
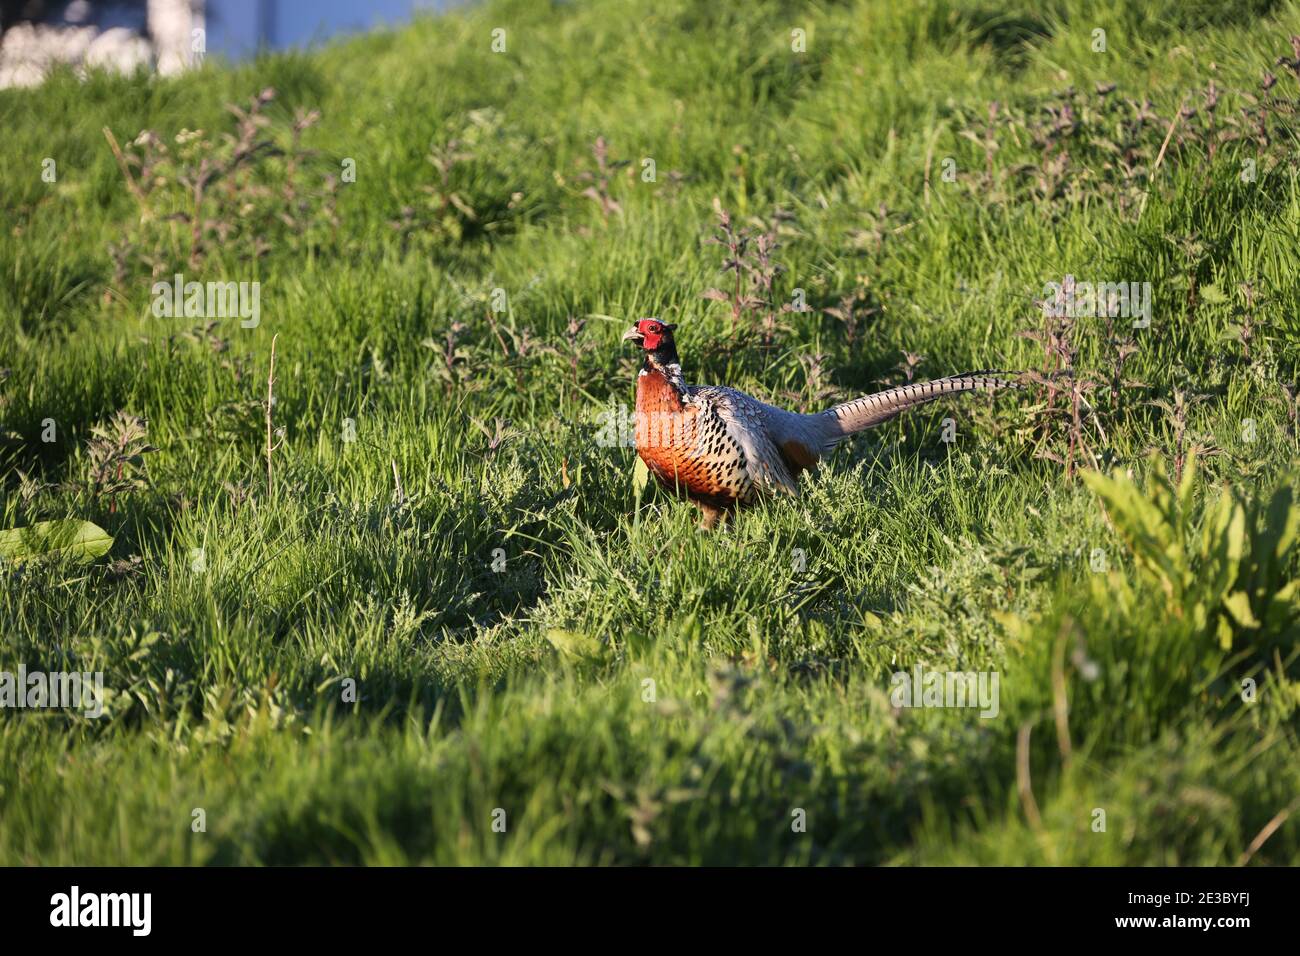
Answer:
(679, 445)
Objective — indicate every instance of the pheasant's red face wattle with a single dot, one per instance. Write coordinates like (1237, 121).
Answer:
(649, 333)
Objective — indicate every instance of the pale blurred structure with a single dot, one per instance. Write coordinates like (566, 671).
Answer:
(172, 35)
(166, 35)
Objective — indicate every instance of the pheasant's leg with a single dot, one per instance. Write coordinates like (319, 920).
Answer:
(709, 516)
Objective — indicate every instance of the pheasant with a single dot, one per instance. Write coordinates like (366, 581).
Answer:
(721, 449)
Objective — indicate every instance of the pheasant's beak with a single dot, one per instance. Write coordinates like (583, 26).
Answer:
(633, 335)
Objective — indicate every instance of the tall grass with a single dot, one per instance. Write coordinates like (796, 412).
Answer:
(453, 610)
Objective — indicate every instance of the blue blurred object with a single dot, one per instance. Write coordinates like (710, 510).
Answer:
(238, 28)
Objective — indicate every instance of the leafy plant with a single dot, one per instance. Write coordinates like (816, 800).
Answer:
(470, 197)
(853, 307)
(749, 256)
(598, 192)
(116, 453)
(1233, 580)
(1062, 413)
(201, 193)
(1176, 414)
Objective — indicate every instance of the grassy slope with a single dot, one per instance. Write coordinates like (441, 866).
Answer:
(770, 681)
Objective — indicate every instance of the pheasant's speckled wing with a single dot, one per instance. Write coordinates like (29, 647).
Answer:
(745, 421)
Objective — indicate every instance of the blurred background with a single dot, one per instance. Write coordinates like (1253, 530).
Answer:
(169, 35)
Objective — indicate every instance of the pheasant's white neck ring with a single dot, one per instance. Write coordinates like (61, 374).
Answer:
(671, 370)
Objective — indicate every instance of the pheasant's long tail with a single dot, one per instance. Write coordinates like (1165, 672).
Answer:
(870, 410)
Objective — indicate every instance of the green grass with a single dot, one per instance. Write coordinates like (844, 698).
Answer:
(527, 632)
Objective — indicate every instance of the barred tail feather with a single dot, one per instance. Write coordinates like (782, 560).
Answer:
(870, 410)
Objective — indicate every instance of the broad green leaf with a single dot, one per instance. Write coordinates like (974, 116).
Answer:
(1236, 536)
(1283, 520)
(1186, 487)
(80, 540)
(1215, 524)
(1283, 606)
(640, 478)
(1199, 615)
(1225, 634)
(1238, 605)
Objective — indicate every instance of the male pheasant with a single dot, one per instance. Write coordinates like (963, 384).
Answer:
(721, 448)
